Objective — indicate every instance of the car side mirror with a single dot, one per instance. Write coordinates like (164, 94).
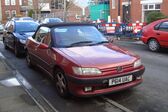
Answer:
(43, 46)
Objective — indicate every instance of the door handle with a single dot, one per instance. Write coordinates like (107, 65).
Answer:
(157, 33)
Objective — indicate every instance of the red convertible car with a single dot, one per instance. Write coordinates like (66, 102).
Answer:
(81, 61)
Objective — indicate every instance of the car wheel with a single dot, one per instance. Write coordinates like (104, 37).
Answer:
(28, 60)
(61, 83)
(17, 54)
(153, 45)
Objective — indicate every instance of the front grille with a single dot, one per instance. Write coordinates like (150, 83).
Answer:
(115, 69)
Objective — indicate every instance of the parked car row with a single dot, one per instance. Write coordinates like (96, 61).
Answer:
(79, 59)
(18, 29)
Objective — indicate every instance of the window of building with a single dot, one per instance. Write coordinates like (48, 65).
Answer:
(7, 2)
(157, 6)
(147, 7)
(20, 2)
(57, 4)
(151, 7)
(13, 13)
(113, 4)
(8, 14)
(13, 2)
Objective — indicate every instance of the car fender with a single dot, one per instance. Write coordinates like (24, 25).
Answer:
(153, 38)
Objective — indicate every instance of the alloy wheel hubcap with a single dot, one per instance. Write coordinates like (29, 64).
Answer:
(61, 84)
(153, 45)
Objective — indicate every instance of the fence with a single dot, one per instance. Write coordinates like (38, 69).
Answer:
(71, 16)
(121, 29)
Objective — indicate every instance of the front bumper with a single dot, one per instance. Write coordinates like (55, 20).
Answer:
(100, 85)
(21, 48)
(144, 39)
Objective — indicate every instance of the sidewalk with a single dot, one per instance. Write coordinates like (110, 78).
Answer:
(13, 97)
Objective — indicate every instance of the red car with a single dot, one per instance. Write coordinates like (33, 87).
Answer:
(81, 60)
(155, 35)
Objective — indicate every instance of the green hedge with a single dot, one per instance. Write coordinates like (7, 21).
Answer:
(153, 16)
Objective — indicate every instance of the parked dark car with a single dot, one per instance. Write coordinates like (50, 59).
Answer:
(51, 20)
(155, 35)
(16, 33)
(81, 60)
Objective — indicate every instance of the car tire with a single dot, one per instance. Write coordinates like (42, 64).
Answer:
(16, 51)
(61, 83)
(28, 60)
(153, 45)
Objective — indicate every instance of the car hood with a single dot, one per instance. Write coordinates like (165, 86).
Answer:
(24, 35)
(100, 56)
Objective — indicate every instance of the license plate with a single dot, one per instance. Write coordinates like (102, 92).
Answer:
(120, 80)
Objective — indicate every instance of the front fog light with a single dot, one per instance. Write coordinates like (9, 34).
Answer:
(87, 89)
(138, 78)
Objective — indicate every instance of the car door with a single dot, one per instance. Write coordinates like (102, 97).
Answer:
(42, 55)
(162, 33)
(46, 53)
(33, 44)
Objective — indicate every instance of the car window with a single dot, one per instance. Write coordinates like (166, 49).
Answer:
(30, 26)
(11, 27)
(42, 33)
(67, 35)
(46, 39)
(164, 26)
(7, 25)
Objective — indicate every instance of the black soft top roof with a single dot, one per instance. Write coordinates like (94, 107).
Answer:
(66, 24)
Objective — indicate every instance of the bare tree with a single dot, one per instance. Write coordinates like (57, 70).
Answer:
(37, 6)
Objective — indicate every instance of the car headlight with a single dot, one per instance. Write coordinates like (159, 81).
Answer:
(86, 71)
(137, 63)
(22, 41)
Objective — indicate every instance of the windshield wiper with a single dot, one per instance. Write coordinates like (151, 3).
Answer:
(81, 42)
(101, 42)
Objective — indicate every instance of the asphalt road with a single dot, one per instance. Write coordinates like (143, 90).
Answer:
(150, 96)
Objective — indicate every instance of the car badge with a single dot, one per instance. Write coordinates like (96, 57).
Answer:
(119, 69)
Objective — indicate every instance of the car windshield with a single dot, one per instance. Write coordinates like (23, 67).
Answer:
(26, 26)
(70, 36)
(55, 20)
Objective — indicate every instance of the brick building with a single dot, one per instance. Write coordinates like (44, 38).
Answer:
(55, 8)
(136, 10)
(12, 8)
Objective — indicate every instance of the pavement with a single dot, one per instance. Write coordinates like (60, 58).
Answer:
(13, 96)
